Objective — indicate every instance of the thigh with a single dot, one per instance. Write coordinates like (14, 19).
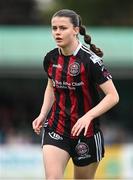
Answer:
(55, 161)
(55, 153)
(85, 172)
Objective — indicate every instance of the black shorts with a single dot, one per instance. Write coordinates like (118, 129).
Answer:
(82, 150)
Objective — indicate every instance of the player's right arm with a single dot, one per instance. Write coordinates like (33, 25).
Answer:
(46, 106)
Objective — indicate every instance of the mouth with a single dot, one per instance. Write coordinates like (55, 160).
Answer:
(58, 39)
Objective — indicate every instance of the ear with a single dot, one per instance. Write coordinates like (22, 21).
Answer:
(76, 30)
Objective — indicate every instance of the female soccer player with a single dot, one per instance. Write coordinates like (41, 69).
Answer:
(71, 107)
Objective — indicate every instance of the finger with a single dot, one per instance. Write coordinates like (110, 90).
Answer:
(75, 128)
(33, 125)
(37, 131)
(79, 130)
(40, 126)
(37, 126)
(85, 132)
(72, 131)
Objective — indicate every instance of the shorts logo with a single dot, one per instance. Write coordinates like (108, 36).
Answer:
(55, 136)
(74, 69)
(82, 148)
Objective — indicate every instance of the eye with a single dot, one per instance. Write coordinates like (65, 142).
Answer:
(54, 28)
(63, 27)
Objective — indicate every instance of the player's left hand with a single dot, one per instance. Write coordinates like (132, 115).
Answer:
(82, 123)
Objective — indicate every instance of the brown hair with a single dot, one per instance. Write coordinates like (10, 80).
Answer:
(77, 22)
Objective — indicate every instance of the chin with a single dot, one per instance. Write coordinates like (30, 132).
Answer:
(61, 45)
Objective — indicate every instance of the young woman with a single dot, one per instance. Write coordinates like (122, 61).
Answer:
(71, 107)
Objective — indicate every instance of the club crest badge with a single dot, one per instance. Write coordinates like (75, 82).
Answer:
(74, 69)
(82, 149)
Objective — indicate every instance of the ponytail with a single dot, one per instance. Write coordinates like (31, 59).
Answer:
(87, 39)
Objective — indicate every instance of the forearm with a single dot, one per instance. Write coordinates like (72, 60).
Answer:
(105, 104)
(47, 102)
(111, 99)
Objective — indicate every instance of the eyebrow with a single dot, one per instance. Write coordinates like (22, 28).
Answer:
(59, 26)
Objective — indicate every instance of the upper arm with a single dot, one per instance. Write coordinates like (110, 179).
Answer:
(99, 72)
(47, 64)
(49, 89)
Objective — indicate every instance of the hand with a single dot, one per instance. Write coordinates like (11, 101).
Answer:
(82, 123)
(37, 124)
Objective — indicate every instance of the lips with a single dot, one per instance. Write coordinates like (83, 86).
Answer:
(58, 39)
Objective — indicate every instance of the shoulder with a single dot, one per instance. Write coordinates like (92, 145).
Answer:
(54, 52)
(89, 55)
(85, 51)
(49, 57)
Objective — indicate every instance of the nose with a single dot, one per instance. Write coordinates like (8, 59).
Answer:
(57, 31)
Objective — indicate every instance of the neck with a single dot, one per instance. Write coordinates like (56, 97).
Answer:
(70, 49)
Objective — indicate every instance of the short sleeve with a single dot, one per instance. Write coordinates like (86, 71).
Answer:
(46, 63)
(100, 73)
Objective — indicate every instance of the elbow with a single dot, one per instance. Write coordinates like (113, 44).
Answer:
(116, 98)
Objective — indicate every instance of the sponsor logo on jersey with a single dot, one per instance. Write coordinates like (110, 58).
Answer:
(74, 69)
(57, 66)
(55, 136)
(67, 85)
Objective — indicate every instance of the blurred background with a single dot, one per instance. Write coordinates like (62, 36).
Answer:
(25, 37)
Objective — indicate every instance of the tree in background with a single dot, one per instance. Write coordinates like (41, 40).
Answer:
(102, 12)
(18, 12)
(93, 12)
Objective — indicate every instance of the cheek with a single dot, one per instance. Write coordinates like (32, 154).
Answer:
(53, 34)
(69, 36)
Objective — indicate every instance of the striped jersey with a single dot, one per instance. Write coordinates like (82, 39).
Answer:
(75, 82)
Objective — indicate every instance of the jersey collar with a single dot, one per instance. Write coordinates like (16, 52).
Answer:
(77, 49)
(75, 52)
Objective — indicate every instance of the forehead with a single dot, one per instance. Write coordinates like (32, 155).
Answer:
(60, 21)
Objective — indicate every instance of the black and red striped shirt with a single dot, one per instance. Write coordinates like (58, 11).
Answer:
(75, 81)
